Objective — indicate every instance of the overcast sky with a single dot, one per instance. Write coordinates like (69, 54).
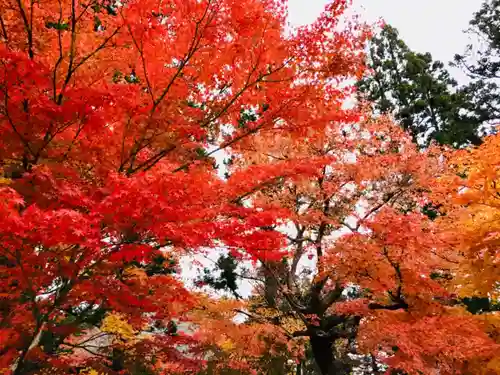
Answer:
(433, 26)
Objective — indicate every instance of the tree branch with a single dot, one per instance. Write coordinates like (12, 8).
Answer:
(27, 27)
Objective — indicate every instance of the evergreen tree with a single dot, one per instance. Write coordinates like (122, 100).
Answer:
(482, 64)
(418, 91)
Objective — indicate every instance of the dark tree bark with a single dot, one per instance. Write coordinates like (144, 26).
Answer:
(323, 351)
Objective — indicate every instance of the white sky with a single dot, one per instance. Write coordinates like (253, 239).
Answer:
(433, 26)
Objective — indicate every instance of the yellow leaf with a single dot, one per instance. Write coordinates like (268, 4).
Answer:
(89, 371)
(227, 345)
(118, 326)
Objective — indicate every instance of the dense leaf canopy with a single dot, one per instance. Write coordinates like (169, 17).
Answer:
(113, 120)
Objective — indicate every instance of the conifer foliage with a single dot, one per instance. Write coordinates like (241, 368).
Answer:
(419, 92)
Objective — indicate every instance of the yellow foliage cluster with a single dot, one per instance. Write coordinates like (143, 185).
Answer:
(227, 345)
(117, 325)
(289, 323)
(473, 217)
(90, 371)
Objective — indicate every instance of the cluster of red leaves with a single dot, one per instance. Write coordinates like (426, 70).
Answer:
(359, 219)
(106, 110)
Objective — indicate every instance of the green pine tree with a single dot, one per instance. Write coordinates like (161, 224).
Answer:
(481, 62)
(418, 91)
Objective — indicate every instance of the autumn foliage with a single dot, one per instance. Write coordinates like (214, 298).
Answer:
(384, 275)
(111, 115)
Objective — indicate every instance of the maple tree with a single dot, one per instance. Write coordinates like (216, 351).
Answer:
(110, 115)
(468, 197)
(367, 272)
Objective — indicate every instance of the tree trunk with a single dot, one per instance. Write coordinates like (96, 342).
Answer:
(17, 366)
(322, 348)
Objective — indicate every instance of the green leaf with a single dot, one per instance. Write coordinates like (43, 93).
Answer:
(57, 25)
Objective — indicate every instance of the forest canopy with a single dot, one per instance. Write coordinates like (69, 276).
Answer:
(138, 136)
